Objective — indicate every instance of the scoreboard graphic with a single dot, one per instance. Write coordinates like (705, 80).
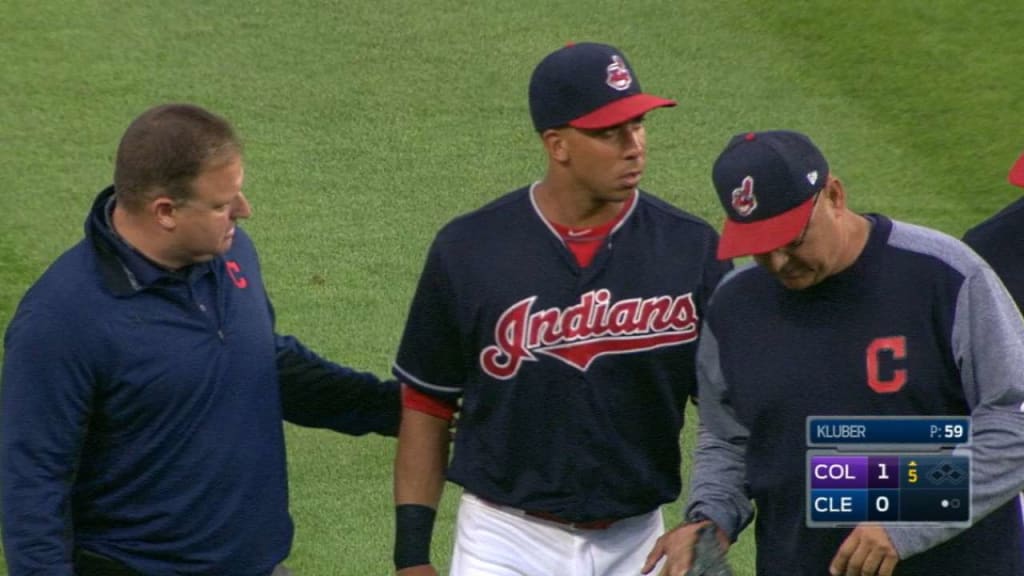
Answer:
(888, 469)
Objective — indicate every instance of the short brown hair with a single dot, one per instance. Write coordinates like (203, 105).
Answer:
(165, 149)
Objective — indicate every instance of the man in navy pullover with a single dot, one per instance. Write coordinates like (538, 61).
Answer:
(144, 384)
(846, 314)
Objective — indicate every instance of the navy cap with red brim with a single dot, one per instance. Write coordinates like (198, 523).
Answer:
(621, 111)
(763, 236)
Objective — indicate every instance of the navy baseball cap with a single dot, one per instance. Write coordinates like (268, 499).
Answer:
(766, 181)
(1017, 172)
(589, 86)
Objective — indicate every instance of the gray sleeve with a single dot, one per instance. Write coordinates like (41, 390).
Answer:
(718, 479)
(988, 346)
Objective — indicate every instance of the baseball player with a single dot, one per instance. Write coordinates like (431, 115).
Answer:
(563, 318)
(1000, 240)
(846, 314)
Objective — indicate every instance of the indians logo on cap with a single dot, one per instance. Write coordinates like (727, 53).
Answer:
(743, 199)
(618, 75)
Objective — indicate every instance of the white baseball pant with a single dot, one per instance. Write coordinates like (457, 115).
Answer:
(494, 540)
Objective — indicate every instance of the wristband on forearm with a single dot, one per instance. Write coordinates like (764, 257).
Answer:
(414, 526)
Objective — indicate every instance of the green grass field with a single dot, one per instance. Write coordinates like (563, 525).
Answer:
(369, 124)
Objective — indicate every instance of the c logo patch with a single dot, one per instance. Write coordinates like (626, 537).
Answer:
(235, 271)
(895, 347)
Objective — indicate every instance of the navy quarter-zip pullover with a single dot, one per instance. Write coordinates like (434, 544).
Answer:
(142, 413)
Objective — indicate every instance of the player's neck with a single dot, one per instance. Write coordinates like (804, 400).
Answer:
(856, 230)
(132, 229)
(575, 207)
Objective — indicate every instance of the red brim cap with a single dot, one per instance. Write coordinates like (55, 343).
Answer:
(1017, 172)
(620, 111)
(761, 236)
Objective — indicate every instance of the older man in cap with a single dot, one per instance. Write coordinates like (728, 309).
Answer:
(844, 313)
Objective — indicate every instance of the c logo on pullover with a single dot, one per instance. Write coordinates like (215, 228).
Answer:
(235, 271)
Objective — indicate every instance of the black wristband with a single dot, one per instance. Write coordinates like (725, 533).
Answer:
(414, 526)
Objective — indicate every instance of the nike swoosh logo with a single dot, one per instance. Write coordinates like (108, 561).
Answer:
(578, 233)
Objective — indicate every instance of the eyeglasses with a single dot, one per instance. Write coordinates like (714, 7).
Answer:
(803, 233)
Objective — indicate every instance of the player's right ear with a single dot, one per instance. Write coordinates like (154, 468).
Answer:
(555, 144)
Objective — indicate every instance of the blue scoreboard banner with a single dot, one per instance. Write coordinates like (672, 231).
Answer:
(899, 430)
(906, 473)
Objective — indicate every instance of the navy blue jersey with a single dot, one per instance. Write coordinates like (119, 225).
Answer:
(573, 381)
(1000, 241)
(916, 326)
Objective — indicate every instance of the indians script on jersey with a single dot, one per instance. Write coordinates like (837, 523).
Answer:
(583, 332)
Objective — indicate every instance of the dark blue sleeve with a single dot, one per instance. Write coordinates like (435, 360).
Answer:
(45, 399)
(431, 355)
(321, 394)
(714, 270)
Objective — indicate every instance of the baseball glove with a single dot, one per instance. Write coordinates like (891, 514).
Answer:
(708, 556)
